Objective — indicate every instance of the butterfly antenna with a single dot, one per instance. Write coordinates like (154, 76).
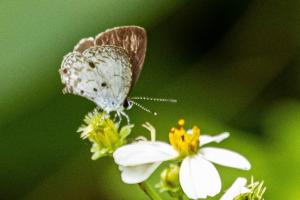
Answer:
(143, 108)
(155, 99)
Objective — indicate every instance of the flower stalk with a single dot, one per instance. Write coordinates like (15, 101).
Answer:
(149, 191)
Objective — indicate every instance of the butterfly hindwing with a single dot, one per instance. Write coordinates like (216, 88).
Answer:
(101, 74)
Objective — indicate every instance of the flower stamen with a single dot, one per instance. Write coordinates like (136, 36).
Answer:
(185, 142)
(152, 131)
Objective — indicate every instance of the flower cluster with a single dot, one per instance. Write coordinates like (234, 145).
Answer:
(198, 177)
(103, 133)
(191, 172)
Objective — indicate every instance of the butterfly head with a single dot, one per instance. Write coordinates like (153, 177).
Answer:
(127, 104)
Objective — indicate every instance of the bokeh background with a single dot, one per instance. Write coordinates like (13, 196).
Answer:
(233, 66)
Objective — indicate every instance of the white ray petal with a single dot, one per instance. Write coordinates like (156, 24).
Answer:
(237, 188)
(225, 157)
(199, 178)
(137, 174)
(144, 152)
(205, 139)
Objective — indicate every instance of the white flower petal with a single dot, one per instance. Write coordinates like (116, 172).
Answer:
(205, 139)
(244, 190)
(137, 174)
(199, 178)
(144, 152)
(225, 157)
(237, 188)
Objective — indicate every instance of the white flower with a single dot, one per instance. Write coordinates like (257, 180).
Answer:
(237, 188)
(197, 176)
(240, 191)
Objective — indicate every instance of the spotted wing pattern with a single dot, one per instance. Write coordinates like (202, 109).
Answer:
(101, 74)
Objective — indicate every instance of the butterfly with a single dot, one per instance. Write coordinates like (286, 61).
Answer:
(104, 69)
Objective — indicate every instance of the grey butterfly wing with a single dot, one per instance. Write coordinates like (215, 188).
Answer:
(131, 38)
(100, 74)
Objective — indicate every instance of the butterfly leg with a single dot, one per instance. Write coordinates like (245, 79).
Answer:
(119, 116)
(115, 117)
(126, 116)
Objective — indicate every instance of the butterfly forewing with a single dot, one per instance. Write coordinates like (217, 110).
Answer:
(84, 44)
(131, 38)
(101, 73)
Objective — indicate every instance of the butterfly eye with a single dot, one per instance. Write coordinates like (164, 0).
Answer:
(127, 104)
(103, 84)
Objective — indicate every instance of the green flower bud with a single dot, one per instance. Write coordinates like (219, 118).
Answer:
(169, 180)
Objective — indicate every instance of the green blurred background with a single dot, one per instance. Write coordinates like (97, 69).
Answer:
(233, 65)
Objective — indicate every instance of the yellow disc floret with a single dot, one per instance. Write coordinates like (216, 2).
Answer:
(185, 142)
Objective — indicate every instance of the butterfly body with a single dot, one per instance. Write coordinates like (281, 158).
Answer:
(105, 69)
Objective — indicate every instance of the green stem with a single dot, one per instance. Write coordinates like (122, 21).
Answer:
(149, 191)
(180, 197)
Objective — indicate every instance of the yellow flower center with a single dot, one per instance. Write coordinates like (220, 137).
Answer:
(185, 142)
